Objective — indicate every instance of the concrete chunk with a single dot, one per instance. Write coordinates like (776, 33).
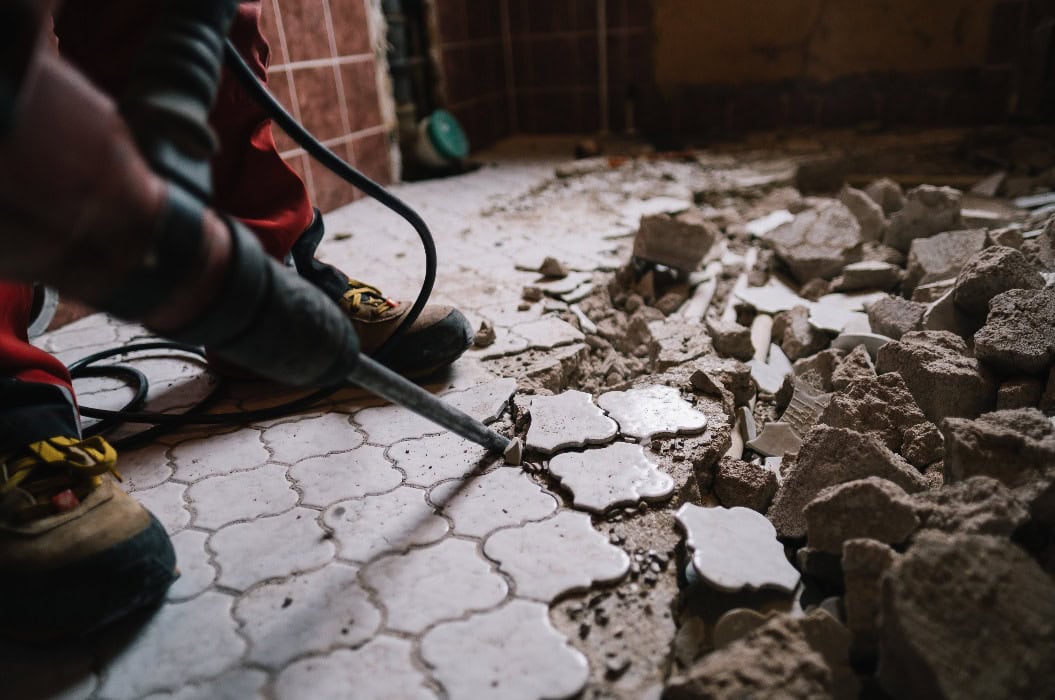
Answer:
(1012, 446)
(944, 380)
(966, 616)
(1019, 334)
(979, 505)
(887, 194)
(993, 270)
(883, 408)
(819, 242)
(870, 508)
(928, 210)
(941, 257)
(893, 316)
(740, 483)
(798, 338)
(868, 213)
(831, 456)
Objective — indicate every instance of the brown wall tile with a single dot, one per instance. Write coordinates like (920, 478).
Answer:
(350, 27)
(316, 90)
(331, 191)
(304, 22)
(278, 84)
(360, 94)
(371, 157)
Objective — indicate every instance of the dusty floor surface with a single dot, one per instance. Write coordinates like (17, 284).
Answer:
(354, 551)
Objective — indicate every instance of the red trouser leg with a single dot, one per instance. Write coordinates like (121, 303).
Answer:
(36, 396)
(250, 180)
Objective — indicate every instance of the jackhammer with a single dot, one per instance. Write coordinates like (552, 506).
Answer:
(263, 316)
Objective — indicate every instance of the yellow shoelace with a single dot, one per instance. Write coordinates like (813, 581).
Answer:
(32, 477)
(364, 296)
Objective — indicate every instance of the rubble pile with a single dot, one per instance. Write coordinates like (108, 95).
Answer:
(878, 372)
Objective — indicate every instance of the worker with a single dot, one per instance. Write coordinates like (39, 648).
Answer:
(77, 207)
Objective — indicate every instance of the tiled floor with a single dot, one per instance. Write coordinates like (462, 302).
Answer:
(354, 551)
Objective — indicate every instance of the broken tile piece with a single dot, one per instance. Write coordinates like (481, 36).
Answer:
(620, 474)
(438, 582)
(505, 664)
(736, 548)
(776, 440)
(653, 411)
(499, 498)
(556, 556)
(549, 332)
(567, 420)
(871, 341)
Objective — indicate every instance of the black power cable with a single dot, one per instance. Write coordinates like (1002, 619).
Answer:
(131, 413)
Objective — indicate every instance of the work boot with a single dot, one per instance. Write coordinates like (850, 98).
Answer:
(438, 336)
(76, 552)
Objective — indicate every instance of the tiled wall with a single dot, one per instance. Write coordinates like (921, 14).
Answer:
(325, 72)
(536, 66)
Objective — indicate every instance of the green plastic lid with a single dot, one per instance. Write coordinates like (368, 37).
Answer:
(447, 136)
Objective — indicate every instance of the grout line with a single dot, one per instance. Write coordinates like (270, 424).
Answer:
(602, 64)
(339, 140)
(507, 46)
(309, 181)
(325, 62)
(331, 36)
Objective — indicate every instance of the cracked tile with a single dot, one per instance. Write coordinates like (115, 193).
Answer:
(506, 343)
(441, 581)
(549, 332)
(325, 480)
(218, 454)
(429, 460)
(555, 556)
(196, 571)
(306, 614)
(567, 420)
(509, 647)
(502, 497)
(309, 437)
(181, 643)
(736, 548)
(219, 500)
(387, 424)
(272, 547)
(391, 522)
(654, 411)
(238, 684)
(618, 474)
(167, 505)
(381, 670)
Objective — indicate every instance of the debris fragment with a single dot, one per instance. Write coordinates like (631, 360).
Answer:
(857, 365)
(677, 242)
(798, 338)
(553, 268)
(936, 599)
(831, 456)
(864, 562)
(941, 257)
(993, 270)
(485, 335)
(868, 213)
(1012, 446)
(942, 376)
(819, 242)
(731, 339)
(735, 549)
(870, 508)
(893, 316)
(569, 419)
(740, 483)
(928, 210)
(887, 194)
(1019, 333)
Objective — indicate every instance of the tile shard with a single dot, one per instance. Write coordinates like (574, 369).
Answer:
(735, 549)
(619, 474)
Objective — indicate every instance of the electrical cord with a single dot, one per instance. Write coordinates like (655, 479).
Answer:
(197, 415)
